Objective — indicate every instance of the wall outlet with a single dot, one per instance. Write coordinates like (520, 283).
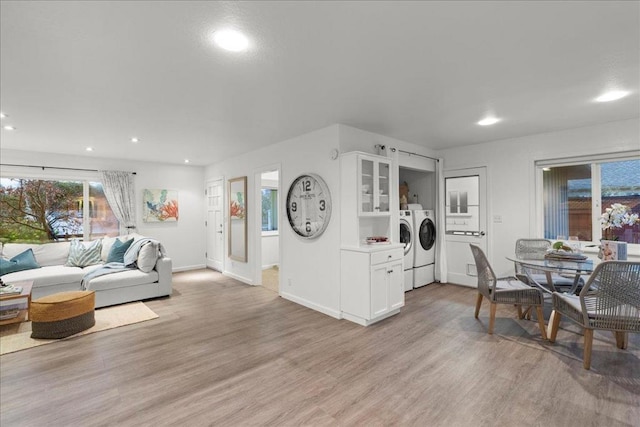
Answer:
(289, 283)
(497, 219)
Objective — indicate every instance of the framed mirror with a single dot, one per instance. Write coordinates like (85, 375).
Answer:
(238, 219)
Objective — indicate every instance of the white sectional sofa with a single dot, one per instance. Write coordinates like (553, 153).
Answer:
(54, 276)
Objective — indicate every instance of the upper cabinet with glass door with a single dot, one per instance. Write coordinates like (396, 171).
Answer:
(374, 185)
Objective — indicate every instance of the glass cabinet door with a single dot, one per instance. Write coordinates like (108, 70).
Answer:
(374, 186)
(367, 186)
(383, 187)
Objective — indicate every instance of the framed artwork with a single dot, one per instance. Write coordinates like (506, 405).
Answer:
(238, 219)
(159, 205)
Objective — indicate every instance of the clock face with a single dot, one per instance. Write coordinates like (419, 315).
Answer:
(309, 206)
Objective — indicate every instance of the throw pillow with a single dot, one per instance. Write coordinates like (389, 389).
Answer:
(23, 261)
(147, 257)
(82, 256)
(116, 254)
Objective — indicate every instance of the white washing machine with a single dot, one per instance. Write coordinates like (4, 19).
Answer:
(407, 237)
(424, 252)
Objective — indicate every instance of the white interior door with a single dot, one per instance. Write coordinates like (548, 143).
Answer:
(465, 221)
(215, 229)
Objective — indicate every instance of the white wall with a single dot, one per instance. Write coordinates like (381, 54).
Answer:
(183, 240)
(511, 180)
(309, 269)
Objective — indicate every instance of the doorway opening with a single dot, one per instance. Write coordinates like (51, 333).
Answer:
(269, 229)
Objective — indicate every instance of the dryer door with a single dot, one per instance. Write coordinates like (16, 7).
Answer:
(427, 234)
(405, 236)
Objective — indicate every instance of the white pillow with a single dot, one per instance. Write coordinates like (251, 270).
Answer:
(147, 257)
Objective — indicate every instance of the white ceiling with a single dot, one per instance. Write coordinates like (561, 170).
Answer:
(78, 74)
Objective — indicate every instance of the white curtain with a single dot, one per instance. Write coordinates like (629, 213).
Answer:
(118, 188)
(441, 248)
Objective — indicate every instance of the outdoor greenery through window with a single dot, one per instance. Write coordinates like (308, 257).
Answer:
(576, 196)
(35, 210)
(269, 209)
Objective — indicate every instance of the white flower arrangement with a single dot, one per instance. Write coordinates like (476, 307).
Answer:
(617, 216)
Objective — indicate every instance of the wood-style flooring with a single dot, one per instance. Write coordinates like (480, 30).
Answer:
(227, 354)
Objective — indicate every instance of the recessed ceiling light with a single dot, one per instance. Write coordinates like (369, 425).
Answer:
(135, 140)
(487, 121)
(89, 149)
(3, 116)
(8, 127)
(186, 160)
(612, 96)
(231, 40)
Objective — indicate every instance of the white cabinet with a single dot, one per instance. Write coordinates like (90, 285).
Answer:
(371, 276)
(372, 286)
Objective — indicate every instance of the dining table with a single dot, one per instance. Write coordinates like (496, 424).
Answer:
(555, 267)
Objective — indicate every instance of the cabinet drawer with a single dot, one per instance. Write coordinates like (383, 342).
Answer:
(386, 256)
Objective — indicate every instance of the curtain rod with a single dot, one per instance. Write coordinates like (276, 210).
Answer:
(54, 167)
(382, 147)
(415, 154)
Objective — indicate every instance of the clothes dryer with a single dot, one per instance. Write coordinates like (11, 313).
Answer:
(407, 238)
(424, 253)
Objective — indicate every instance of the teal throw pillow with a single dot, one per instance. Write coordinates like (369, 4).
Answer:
(23, 261)
(116, 254)
(82, 256)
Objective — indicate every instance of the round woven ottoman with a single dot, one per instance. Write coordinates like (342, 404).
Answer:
(63, 314)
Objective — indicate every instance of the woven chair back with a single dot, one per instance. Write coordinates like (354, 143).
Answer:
(486, 276)
(611, 298)
(532, 248)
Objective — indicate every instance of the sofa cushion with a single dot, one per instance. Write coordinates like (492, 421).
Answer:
(84, 254)
(147, 257)
(116, 254)
(48, 276)
(46, 254)
(23, 261)
(122, 279)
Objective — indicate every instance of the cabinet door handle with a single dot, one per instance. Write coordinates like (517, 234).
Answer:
(389, 271)
(390, 256)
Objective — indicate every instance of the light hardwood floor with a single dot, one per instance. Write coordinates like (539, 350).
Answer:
(226, 354)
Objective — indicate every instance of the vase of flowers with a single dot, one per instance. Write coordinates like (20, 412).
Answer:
(615, 217)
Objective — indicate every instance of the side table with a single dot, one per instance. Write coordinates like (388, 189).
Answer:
(23, 314)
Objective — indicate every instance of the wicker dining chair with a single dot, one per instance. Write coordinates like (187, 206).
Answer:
(537, 249)
(507, 290)
(610, 301)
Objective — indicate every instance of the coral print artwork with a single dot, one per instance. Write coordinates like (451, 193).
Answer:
(236, 208)
(160, 205)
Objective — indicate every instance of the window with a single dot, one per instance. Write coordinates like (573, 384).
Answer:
(51, 210)
(269, 209)
(576, 195)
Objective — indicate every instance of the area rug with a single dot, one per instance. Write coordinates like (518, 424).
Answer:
(17, 336)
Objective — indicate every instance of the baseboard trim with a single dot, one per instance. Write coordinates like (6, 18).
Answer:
(322, 309)
(239, 278)
(188, 268)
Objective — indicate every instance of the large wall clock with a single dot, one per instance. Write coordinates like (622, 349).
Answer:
(309, 205)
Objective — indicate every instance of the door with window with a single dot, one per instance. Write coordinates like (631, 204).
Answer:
(465, 222)
(214, 224)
